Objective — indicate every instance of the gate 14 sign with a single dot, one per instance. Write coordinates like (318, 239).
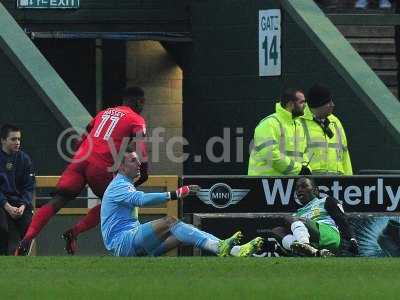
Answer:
(269, 42)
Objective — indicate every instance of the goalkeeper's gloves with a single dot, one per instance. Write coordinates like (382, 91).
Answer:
(143, 174)
(184, 191)
(354, 248)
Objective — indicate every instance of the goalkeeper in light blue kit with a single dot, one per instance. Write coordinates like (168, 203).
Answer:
(123, 235)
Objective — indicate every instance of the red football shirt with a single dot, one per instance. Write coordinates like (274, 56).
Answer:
(108, 131)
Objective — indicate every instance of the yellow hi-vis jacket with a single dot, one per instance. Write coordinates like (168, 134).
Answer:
(327, 155)
(279, 145)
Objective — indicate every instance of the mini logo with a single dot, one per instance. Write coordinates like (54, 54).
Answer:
(9, 166)
(220, 195)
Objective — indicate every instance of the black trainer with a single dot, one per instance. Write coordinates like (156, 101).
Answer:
(71, 243)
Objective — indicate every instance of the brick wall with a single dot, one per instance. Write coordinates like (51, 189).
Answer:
(151, 67)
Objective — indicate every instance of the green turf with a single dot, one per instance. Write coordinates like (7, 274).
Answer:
(198, 278)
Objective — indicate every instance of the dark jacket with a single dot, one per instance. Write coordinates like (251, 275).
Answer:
(17, 179)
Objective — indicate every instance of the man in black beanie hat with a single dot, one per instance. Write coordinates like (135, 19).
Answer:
(326, 138)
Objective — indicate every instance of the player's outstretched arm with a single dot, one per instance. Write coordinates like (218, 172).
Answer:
(335, 210)
(137, 198)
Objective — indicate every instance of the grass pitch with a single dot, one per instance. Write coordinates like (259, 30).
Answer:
(198, 278)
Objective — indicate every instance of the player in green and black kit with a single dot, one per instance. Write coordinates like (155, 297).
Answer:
(317, 227)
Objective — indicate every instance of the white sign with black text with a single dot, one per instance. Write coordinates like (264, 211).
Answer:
(269, 42)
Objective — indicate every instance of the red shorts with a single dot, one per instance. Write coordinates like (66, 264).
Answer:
(77, 175)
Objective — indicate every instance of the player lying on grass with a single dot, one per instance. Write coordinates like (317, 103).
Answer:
(316, 228)
(123, 235)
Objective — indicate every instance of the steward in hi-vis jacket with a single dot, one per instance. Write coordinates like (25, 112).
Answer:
(279, 140)
(325, 136)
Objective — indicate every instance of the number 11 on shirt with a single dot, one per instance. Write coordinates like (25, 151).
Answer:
(113, 122)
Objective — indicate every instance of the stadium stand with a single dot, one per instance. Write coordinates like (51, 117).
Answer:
(372, 38)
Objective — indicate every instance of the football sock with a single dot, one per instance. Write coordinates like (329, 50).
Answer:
(235, 250)
(190, 235)
(211, 245)
(210, 236)
(287, 241)
(89, 221)
(39, 220)
(300, 232)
